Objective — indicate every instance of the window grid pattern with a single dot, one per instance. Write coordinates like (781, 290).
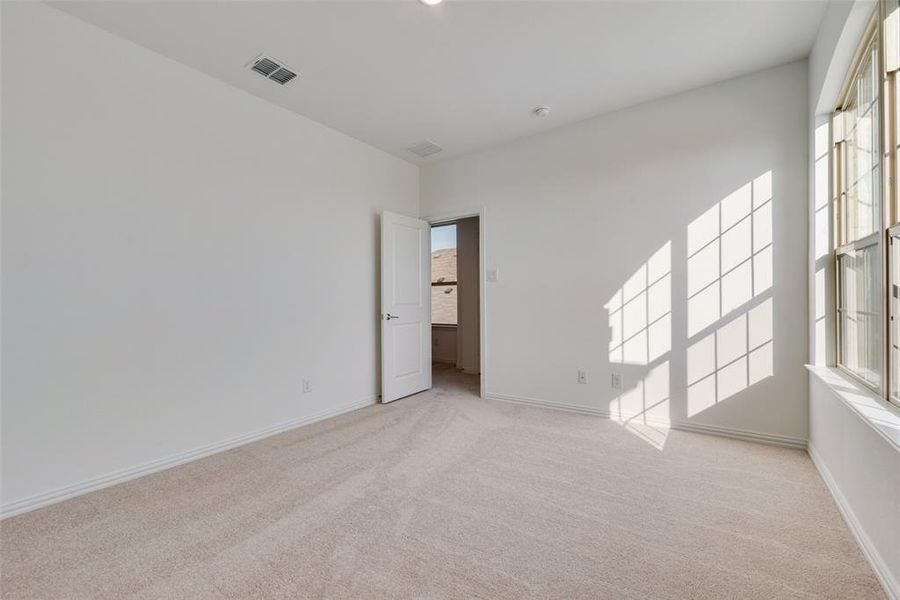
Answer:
(858, 269)
(859, 313)
(640, 313)
(730, 254)
(861, 169)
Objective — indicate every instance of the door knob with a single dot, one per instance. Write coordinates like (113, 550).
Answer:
(389, 316)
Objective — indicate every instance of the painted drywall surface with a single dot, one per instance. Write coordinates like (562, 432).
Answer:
(839, 33)
(177, 256)
(444, 345)
(468, 348)
(864, 470)
(576, 213)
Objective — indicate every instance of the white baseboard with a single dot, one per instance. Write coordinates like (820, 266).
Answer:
(584, 410)
(740, 434)
(91, 485)
(888, 582)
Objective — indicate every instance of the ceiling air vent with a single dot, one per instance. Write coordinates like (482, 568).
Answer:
(282, 75)
(273, 69)
(425, 149)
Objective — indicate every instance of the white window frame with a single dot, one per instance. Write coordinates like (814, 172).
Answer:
(883, 33)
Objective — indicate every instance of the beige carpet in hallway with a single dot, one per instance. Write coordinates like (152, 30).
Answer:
(443, 495)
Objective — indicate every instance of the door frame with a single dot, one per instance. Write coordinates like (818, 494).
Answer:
(449, 217)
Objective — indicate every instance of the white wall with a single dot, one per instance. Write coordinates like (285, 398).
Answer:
(444, 345)
(860, 466)
(862, 470)
(575, 213)
(177, 255)
(839, 33)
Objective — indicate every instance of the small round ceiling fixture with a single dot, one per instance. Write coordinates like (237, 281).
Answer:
(541, 111)
(431, 2)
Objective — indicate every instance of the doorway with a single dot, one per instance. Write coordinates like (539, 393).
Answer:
(456, 305)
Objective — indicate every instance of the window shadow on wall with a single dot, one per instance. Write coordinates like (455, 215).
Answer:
(727, 340)
(729, 278)
(640, 324)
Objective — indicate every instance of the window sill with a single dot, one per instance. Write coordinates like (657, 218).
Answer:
(879, 414)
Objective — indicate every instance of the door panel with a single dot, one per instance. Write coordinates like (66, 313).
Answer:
(407, 275)
(405, 306)
(407, 349)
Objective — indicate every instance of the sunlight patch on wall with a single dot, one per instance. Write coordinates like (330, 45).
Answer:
(820, 343)
(737, 355)
(822, 239)
(648, 398)
(729, 287)
(729, 251)
(820, 193)
(644, 409)
(729, 313)
(640, 328)
(640, 313)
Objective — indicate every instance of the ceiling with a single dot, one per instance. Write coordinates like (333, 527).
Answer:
(465, 75)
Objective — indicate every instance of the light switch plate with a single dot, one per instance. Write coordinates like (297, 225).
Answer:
(493, 275)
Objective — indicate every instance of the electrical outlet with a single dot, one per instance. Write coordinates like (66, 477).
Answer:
(582, 377)
(616, 381)
(307, 386)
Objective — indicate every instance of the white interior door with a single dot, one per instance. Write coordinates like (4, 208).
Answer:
(405, 306)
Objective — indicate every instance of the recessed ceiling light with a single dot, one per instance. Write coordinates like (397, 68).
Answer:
(541, 111)
(431, 2)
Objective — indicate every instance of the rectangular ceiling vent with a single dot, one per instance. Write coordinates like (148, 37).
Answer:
(273, 69)
(425, 149)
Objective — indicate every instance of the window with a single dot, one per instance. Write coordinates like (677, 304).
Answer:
(859, 311)
(861, 197)
(443, 275)
(859, 223)
(867, 236)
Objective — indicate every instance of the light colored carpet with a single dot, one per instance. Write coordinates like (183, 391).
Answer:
(443, 495)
